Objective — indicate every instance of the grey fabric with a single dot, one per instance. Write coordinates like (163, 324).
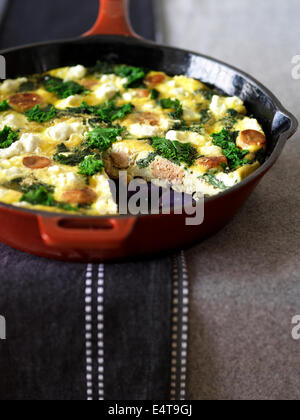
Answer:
(245, 280)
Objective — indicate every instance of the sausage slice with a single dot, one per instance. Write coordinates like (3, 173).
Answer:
(36, 162)
(212, 162)
(166, 170)
(155, 79)
(85, 196)
(251, 140)
(143, 93)
(25, 101)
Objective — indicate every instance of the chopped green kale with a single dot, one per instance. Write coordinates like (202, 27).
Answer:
(108, 112)
(172, 104)
(235, 156)
(102, 138)
(205, 116)
(154, 94)
(41, 115)
(174, 150)
(71, 158)
(211, 178)
(134, 75)
(63, 89)
(91, 165)
(4, 106)
(144, 163)
(196, 128)
(231, 118)
(40, 194)
(208, 94)
(8, 137)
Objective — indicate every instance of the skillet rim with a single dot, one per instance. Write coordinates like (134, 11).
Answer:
(258, 174)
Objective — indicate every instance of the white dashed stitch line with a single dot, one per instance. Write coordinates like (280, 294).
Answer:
(88, 329)
(100, 328)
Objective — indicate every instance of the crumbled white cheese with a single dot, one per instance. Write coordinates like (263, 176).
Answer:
(64, 180)
(106, 91)
(128, 96)
(76, 73)
(186, 137)
(63, 131)
(11, 86)
(74, 100)
(143, 130)
(12, 173)
(248, 124)
(28, 143)
(190, 115)
(13, 120)
(219, 105)
(211, 150)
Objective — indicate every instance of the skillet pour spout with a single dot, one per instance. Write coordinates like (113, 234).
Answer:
(82, 238)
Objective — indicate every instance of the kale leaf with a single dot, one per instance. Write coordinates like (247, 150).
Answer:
(41, 115)
(102, 138)
(4, 106)
(134, 75)
(38, 194)
(174, 150)
(41, 194)
(70, 158)
(8, 137)
(63, 89)
(154, 94)
(108, 112)
(91, 165)
(211, 178)
(231, 118)
(172, 104)
(235, 156)
(144, 163)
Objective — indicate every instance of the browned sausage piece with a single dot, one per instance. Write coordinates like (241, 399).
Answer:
(36, 162)
(155, 79)
(143, 93)
(89, 83)
(25, 101)
(164, 169)
(120, 159)
(212, 162)
(148, 118)
(85, 196)
(251, 140)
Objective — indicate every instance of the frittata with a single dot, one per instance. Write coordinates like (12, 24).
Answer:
(65, 133)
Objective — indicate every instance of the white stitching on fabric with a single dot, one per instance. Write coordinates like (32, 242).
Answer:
(100, 329)
(185, 327)
(175, 328)
(179, 339)
(88, 331)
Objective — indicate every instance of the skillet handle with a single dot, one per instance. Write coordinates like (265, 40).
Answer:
(60, 232)
(113, 19)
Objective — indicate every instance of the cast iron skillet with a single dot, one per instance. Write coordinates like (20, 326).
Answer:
(81, 238)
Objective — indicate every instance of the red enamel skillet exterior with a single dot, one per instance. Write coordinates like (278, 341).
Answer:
(81, 238)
